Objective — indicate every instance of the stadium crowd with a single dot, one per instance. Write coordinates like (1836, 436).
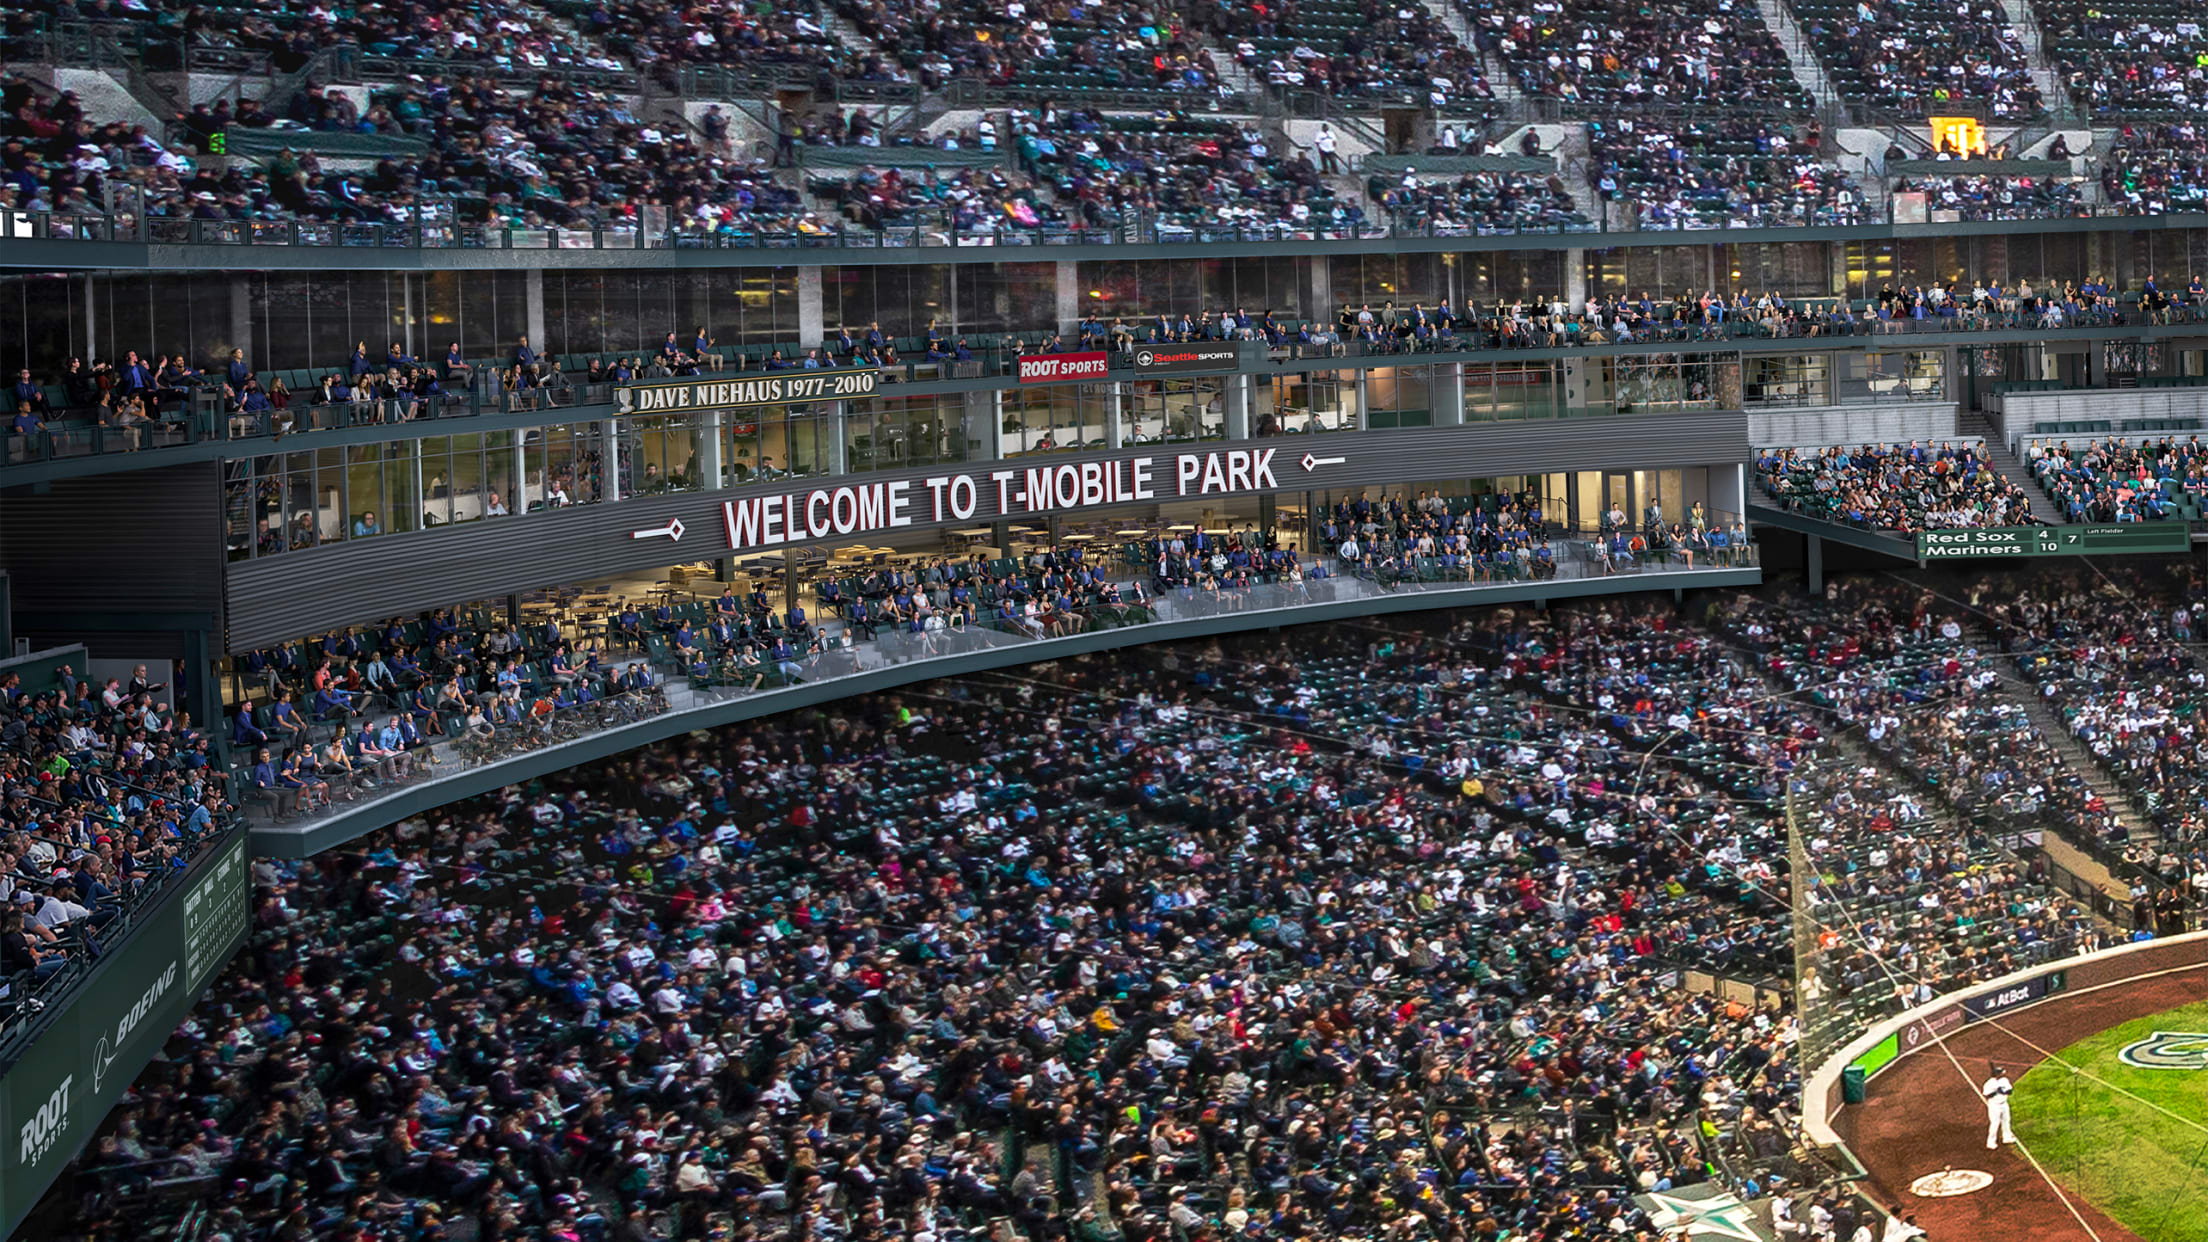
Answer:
(1368, 934)
(1914, 60)
(1741, 174)
(2121, 481)
(2156, 169)
(848, 975)
(2122, 63)
(2119, 675)
(1614, 56)
(107, 791)
(1981, 197)
(1905, 488)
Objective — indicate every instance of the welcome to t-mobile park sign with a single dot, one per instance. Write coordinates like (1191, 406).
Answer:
(860, 508)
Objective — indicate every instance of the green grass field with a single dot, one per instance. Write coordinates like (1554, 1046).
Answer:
(2147, 1169)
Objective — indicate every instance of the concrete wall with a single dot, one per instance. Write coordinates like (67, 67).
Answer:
(1852, 424)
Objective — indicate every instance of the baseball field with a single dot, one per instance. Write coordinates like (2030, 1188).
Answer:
(2121, 1119)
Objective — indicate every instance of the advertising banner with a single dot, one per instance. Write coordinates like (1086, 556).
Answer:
(781, 388)
(1188, 359)
(1058, 368)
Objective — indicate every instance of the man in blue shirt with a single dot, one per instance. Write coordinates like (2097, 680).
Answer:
(28, 395)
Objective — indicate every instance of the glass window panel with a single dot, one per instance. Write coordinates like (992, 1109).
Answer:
(364, 504)
(437, 481)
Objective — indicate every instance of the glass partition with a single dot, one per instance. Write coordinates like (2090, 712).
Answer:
(1309, 402)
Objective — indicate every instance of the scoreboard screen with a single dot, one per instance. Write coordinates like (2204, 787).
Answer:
(1993, 542)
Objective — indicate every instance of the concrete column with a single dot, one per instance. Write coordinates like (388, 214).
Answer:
(1115, 428)
(198, 695)
(812, 319)
(91, 344)
(1713, 265)
(839, 439)
(408, 340)
(1575, 384)
(1449, 394)
(984, 426)
(1815, 559)
(517, 496)
(1321, 290)
(414, 463)
(1069, 297)
(1729, 488)
(533, 291)
(241, 318)
(610, 451)
(709, 450)
(1836, 254)
(1575, 278)
(1237, 401)
(1364, 398)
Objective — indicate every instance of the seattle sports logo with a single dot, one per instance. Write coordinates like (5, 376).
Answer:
(2168, 1050)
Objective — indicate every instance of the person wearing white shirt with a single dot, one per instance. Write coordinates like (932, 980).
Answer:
(1995, 1093)
(621, 996)
(58, 907)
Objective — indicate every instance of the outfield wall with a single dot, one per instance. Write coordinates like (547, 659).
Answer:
(1927, 1026)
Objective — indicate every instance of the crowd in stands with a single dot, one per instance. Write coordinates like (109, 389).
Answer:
(2127, 61)
(1903, 488)
(1478, 202)
(1039, 45)
(2120, 481)
(660, 36)
(1010, 956)
(527, 126)
(108, 790)
(1361, 934)
(2120, 674)
(1619, 57)
(2152, 170)
(1982, 197)
(1917, 59)
(1354, 49)
(1180, 170)
(1919, 898)
(1738, 174)
(1507, 536)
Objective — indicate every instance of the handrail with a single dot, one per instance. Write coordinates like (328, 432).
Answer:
(1143, 229)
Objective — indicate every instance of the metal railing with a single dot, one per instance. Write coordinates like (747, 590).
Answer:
(1144, 229)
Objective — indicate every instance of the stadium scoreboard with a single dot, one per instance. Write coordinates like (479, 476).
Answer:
(1997, 542)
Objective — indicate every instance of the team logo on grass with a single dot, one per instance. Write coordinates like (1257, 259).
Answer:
(2168, 1050)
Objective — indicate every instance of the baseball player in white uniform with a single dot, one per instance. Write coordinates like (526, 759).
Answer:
(1996, 1094)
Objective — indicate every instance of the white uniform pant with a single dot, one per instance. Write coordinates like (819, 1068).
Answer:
(1997, 1122)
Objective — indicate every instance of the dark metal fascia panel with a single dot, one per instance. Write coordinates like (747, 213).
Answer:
(286, 597)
